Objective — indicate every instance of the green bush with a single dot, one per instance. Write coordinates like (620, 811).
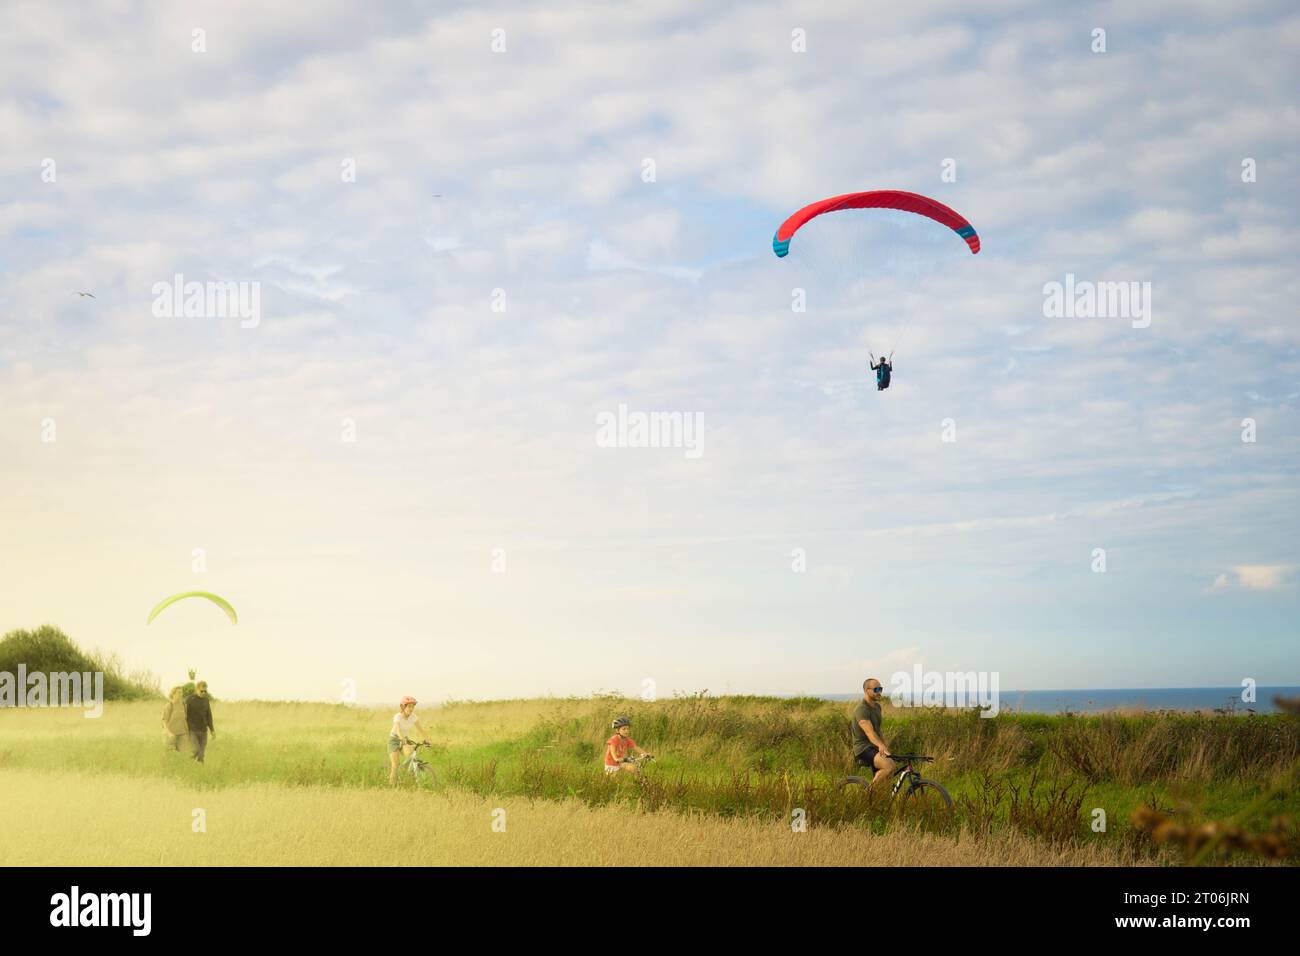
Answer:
(48, 650)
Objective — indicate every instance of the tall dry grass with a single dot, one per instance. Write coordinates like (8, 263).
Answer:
(48, 819)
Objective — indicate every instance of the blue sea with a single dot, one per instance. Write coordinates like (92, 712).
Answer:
(1205, 699)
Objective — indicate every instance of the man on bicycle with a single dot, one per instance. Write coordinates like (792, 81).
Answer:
(869, 747)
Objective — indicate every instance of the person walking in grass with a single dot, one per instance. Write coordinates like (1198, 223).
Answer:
(198, 715)
(869, 747)
(175, 728)
(620, 746)
(405, 723)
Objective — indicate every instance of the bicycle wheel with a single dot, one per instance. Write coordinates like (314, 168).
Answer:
(928, 795)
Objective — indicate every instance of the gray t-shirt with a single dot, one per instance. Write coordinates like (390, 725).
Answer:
(871, 714)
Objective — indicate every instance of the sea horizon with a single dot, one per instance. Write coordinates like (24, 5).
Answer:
(1100, 699)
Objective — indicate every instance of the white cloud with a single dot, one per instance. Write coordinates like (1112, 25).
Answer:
(1253, 577)
(1262, 577)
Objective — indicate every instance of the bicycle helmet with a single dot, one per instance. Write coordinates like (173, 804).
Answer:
(407, 700)
(622, 722)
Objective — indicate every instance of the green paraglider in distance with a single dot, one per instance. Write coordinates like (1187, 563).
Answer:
(218, 601)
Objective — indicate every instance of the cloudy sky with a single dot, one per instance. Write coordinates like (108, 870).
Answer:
(476, 230)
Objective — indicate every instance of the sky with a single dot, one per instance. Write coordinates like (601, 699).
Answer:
(477, 228)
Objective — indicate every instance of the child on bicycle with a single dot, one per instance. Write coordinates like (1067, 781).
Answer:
(618, 749)
(405, 723)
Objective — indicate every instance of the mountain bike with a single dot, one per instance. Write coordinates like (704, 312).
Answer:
(420, 770)
(916, 790)
(634, 763)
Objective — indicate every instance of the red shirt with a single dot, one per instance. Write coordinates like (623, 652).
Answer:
(622, 747)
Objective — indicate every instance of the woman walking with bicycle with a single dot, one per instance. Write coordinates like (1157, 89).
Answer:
(405, 723)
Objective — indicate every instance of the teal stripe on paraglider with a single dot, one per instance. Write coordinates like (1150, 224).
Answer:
(780, 246)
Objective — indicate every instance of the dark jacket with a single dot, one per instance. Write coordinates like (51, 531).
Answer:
(198, 713)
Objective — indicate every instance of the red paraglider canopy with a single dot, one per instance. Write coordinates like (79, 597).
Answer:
(877, 199)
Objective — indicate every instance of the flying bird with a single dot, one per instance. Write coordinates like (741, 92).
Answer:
(85, 294)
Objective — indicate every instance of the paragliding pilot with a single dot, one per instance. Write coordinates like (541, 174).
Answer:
(882, 369)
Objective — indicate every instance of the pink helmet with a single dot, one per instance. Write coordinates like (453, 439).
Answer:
(405, 701)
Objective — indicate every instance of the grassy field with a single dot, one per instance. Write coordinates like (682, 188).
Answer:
(150, 822)
(307, 783)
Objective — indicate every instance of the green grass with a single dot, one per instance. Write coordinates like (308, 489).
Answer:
(729, 757)
(1042, 775)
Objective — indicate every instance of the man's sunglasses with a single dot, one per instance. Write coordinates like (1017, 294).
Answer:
(875, 690)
